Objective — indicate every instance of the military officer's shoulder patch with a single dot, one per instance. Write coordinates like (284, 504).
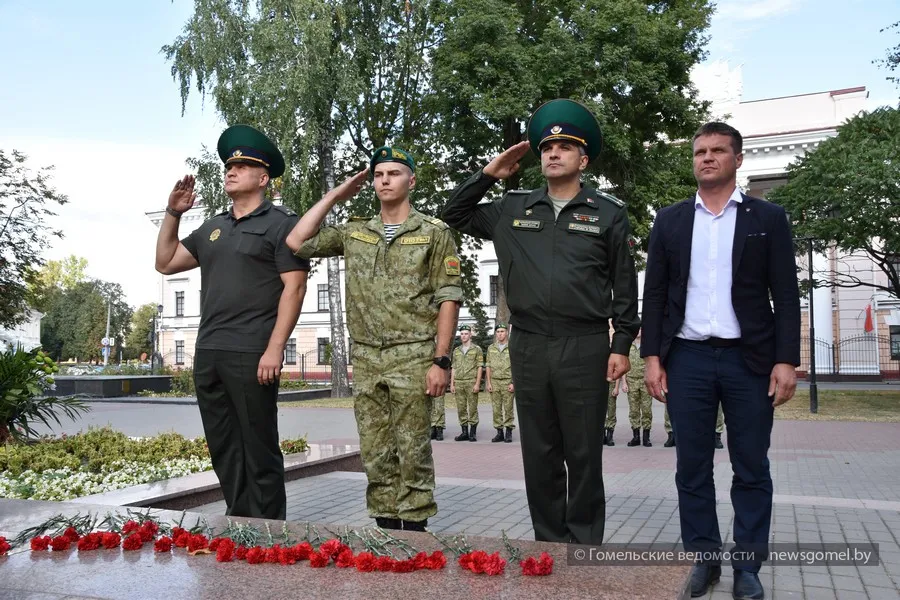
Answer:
(610, 198)
(518, 192)
(359, 219)
(284, 210)
(451, 265)
(435, 221)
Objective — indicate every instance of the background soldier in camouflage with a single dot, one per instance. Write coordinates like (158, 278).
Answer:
(500, 386)
(611, 412)
(720, 427)
(402, 277)
(438, 418)
(640, 403)
(467, 361)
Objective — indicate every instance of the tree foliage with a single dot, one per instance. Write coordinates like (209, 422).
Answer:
(892, 61)
(138, 339)
(27, 200)
(846, 193)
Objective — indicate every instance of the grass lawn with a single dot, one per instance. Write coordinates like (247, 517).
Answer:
(834, 405)
(844, 405)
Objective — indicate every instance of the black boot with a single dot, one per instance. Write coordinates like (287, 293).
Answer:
(499, 436)
(609, 437)
(508, 439)
(415, 525)
(670, 441)
(433, 432)
(636, 440)
(472, 432)
(387, 523)
(647, 443)
(464, 435)
(719, 445)
(440, 434)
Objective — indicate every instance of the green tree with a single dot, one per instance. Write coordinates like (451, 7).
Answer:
(846, 194)
(138, 339)
(57, 276)
(892, 61)
(26, 201)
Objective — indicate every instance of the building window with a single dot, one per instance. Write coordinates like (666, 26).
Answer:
(493, 291)
(323, 297)
(323, 351)
(179, 304)
(179, 352)
(290, 352)
(895, 342)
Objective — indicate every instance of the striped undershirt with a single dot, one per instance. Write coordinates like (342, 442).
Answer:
(390, 231)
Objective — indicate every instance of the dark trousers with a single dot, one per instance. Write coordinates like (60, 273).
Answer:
(561, 397)
(699, 377)
(240, 419)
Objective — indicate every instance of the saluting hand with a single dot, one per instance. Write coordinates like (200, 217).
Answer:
(350, 186)
(507, 163)
(182, 196)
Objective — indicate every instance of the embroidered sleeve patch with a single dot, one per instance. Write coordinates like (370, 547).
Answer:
(451, 265)
(415, 240)
(368, 238)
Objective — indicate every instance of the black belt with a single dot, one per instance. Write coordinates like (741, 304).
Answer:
(722, 342)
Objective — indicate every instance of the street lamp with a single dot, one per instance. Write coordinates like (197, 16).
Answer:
(154, 337)
(813, 387)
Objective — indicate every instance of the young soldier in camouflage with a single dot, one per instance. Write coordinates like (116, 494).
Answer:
(402, 278)
(500, 386)
(467, 361)
(720, 427)
(611, 412)
(640, 403)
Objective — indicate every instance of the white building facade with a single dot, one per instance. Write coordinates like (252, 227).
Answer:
(776, 131)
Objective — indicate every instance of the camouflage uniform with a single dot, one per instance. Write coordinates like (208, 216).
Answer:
(465, 373)
(720, 421)
(439, 413)
(610, 424)
(639, 401)
(501, 378)
(393, 296)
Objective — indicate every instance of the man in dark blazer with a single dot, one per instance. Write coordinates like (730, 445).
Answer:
(721, 322)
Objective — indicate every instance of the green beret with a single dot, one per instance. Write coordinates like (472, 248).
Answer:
(500, 326)
(388, 154)
(564, 119)
(465, 328)
(244, 144)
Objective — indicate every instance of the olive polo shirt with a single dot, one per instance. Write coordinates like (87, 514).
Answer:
(241, 261)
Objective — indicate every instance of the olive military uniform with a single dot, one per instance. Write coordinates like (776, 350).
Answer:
(241, 261)
(565, 277)
(394, 291)
(466, 368)
(500, 371)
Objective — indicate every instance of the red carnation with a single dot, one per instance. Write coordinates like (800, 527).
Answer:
(345, 559)
(130, 527)
(303, 551)
(272, 554)
(318, 560)
(225, 551)
(540, 567)
(421, 560)
(39, 543)
(111, 540)
(133, 542)
(60, 543)
(182, 539)
(71, 534)
(240, 553)
(4, 546)
(214, 544)
(163, 544)
(494, 565)
(286, 556)
(256, 555)
(404, 566)
(384, 563)
(365, 562)
(148, 531)
(330, 548)
(177, 531)
(197, 542)
(90, 542)
(437, 561)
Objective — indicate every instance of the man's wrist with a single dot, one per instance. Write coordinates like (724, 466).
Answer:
(173, 212)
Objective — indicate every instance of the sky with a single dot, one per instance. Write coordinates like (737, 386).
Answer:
(89, 92)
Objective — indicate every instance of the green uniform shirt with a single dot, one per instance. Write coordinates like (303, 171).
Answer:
(466, 365)
(637, 364)
(394, 290)
(563, 276)
(241, 261)
(498, 362)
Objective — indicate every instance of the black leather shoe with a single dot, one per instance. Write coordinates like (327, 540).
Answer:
(499, 436)
(415, 525)
(719, 445)
(472, 433)
(747, 586)
(508, 438)
(433, 432)
(702, 576)
(387, 523)
(670, 440)
(440, 434)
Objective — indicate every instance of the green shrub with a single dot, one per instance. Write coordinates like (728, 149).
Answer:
(183, 382)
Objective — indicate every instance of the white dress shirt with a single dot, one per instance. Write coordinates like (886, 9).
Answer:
(708, 310)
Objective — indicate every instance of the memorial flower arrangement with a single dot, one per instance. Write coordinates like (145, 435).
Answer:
(366, 550)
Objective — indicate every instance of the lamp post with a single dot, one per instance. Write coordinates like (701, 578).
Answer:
(157, 321)
(813, 387)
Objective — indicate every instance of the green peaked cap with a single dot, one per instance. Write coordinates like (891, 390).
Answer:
(246, 144)
(565, 119)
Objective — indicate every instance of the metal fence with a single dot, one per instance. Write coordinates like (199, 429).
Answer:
(858, 357)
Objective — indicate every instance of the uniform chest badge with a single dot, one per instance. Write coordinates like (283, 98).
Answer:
(528, 212)
(215, 235)
(586, 218)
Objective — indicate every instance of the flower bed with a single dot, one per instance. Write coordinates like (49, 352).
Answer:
(102, 460)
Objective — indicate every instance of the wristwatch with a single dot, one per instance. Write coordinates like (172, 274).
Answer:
(442, 361)
(173, 212)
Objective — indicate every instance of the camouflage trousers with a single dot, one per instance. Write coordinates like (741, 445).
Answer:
(466, 402)
(393, 417)
(640, 404)
(439, 413)
(502, 404)
(720, 421)
(611, 408)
